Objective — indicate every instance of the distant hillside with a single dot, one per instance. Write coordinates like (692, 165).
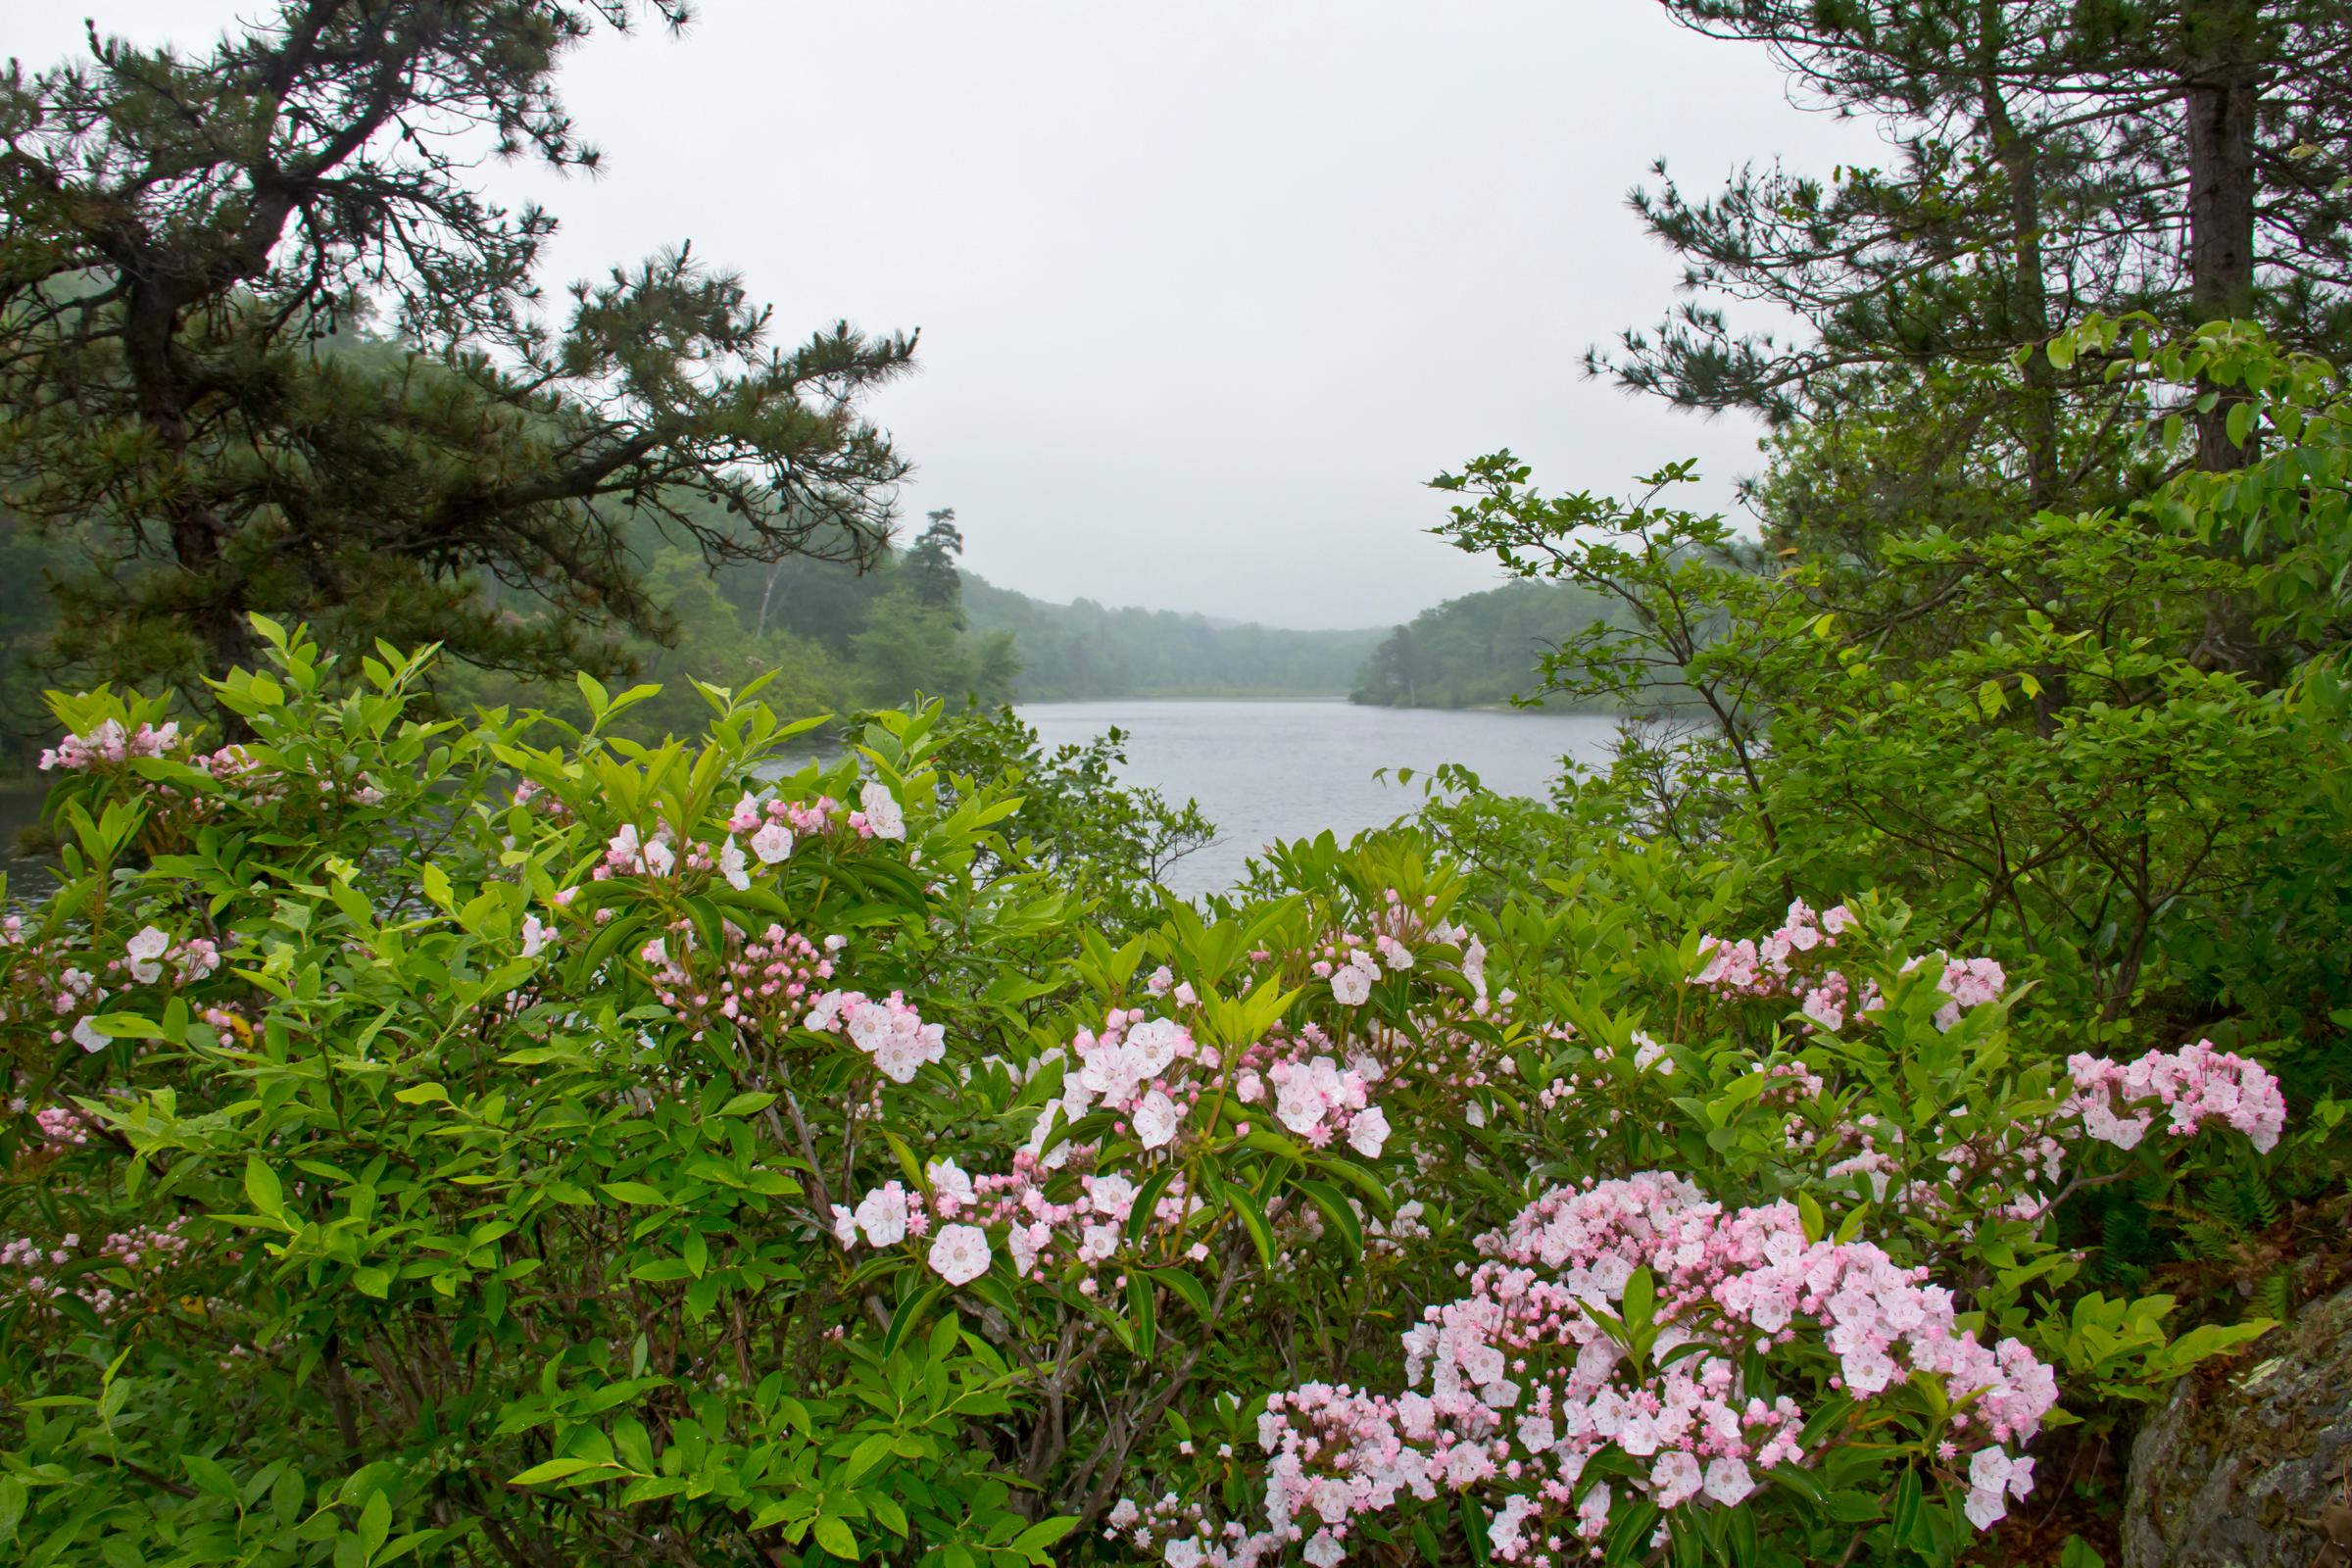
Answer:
(1083, 650)
(1478, 651)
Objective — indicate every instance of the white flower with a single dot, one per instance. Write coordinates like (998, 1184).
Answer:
(772, 842)
(1298, 1106)
(959, 1255)
(1182, 1552)
(1983, 1508)
(1728, 1480)
(660, 858)
(949, 1181)
(882, 812)
(882, 1215)
(1352, 986)
(534, 935)
(844, 1226)
(1368, 1132)
(86, 1036)
(1323, 1550)
(624, 844)
(733, 867)
(150, 944)
(1156, 1120)
(1988, 1470)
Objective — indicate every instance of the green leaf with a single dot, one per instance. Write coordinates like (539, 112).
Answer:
(1640, 1298)
(209, 1476)
(834, 1535)
(1194, 1293)
(540, 1475)
(1343, 1219)
(262, 1188)
(375, 1523)
(637, 1193)
(1252, 1214)
(1041, 1536)
(910, 1313)
(1140, 1313)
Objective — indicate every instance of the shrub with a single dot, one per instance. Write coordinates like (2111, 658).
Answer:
(494, 1141)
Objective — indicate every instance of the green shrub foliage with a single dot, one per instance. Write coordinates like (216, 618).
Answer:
(499, 1141)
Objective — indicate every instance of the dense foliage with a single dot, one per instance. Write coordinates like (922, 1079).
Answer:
(1476, 651)
(499, 1141)
(1084, 650)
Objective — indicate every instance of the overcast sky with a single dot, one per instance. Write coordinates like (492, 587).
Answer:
(1207, 288)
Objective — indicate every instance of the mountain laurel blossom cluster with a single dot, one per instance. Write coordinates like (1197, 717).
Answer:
(1516, 1389)
(1780, 964)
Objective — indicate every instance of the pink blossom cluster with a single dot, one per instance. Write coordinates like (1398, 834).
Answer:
(1089, 1230)
(888, 1030)
(878, 815)
(1144, 1070)
(61, 1126)
(146, 954)
(2117, 1101)
(763, 980)
(1351, 962)
(760, 833)
(1312, 1093)
(1788, 962)
(1514, 1387)
(109, 744)
(48, 986)
(143, 1248)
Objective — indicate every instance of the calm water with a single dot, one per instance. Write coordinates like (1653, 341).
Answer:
(1263, 772)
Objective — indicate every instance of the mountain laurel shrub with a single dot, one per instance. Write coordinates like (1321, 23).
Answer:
(490, 1141)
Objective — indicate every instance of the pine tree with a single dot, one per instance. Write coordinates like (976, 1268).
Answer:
(2052, 158)
(263, 338)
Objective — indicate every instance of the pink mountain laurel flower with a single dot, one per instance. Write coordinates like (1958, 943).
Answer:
(882, 1215)
(1351, 982)
(878, 815)
(144, 952)
(772, 842)
(1156, 1120)
(960, 1254)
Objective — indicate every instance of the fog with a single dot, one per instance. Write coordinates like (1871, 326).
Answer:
(1206, 291)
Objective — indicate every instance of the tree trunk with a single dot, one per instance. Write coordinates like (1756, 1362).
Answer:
(2223, 91)
(2029, 286)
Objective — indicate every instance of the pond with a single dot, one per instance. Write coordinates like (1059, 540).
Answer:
(1268, 770)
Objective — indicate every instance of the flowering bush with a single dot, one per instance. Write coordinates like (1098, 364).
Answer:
(496, 1141)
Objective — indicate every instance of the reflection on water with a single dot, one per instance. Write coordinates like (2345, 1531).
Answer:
(1264, 771)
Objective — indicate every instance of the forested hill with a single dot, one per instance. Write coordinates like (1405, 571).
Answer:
(1085, 650)
(1477, 651)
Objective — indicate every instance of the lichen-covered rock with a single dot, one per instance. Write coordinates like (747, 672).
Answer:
(2253, 1470)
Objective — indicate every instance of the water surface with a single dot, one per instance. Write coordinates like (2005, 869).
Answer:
(1263, 772)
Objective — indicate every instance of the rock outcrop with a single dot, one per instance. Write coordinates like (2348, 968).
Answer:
(2252, 1469)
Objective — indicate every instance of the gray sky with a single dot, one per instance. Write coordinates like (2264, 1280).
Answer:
(1207, 289)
